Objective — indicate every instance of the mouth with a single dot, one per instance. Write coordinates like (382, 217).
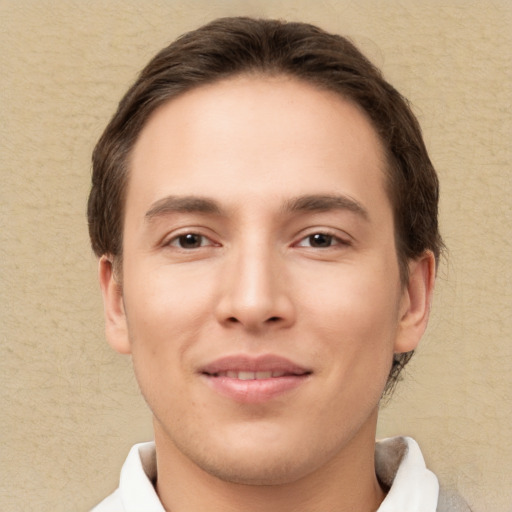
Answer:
(247, 375)
(254, 380)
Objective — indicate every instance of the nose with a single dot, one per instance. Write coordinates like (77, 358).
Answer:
(255, 291)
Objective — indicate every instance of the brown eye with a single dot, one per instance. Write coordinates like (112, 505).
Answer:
(190, 241)
(320, 240)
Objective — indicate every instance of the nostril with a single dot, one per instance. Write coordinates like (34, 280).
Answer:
(234, 320)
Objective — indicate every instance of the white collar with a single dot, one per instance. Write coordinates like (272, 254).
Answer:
(399, 464)
(138, 476)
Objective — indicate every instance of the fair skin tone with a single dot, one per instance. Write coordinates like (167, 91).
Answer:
(261, 300)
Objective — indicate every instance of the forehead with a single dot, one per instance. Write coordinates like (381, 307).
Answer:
(238, 135)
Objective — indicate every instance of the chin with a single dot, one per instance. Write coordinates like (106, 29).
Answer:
(260, 460)
(267, 471)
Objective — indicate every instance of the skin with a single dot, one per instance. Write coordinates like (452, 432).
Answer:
(316, 283)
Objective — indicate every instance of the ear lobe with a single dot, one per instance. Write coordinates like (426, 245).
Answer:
(116, 328)
(415, 303)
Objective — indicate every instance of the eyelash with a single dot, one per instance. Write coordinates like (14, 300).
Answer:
(333, 240)
(322, 236)
(177, 240)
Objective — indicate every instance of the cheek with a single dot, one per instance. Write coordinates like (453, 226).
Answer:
(166, 299)
(355, 296)
(166, 314)
(163, 324)
(356, 314)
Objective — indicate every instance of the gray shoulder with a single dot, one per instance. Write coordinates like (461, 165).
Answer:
(450, 501)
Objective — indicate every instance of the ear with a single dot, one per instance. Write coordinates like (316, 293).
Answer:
(115, 318)
(415, 302)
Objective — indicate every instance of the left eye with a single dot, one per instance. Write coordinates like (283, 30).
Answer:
(190, 241)
(319, 241)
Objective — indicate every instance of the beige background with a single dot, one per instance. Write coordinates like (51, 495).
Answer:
(70, 407)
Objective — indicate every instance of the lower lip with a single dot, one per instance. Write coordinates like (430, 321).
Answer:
(257, 390)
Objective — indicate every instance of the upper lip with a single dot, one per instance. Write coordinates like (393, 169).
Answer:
(245, 363)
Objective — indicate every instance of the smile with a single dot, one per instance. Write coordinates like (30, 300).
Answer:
(254, 380)
(245, 375)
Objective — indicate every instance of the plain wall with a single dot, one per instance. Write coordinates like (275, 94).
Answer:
(70, 406)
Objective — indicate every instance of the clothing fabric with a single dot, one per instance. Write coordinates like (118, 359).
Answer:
(398, 462)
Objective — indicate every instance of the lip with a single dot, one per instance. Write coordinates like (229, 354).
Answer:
(285, 376)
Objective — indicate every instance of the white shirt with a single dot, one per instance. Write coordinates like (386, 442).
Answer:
(398, 461)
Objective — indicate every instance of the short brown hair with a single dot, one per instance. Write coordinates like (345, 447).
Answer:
(232, 46)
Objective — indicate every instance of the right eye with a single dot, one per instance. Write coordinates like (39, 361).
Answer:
(318, 241)
(190, 241)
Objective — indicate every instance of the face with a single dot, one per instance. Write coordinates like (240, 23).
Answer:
(261, 298)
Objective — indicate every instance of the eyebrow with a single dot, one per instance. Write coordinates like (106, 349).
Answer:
(305, 203)
(325, 202)
(183, 204)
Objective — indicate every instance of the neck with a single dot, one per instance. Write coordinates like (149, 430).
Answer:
(345, 483)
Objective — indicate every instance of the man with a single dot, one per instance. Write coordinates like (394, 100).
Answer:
(265, 216)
